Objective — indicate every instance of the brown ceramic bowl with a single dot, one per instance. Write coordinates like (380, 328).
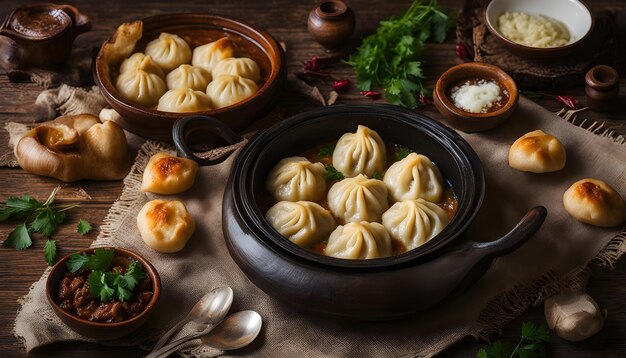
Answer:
(467, 121)
(199, 29)
(573, 14)
(99, 330)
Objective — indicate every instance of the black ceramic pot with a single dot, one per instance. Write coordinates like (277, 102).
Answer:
(383, 288)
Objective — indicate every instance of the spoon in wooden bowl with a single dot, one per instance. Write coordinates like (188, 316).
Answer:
(209, 311)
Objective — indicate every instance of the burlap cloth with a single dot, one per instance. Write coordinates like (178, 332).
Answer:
(555, 257)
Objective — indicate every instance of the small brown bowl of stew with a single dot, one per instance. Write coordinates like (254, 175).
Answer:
(103, 293)
(475, 97)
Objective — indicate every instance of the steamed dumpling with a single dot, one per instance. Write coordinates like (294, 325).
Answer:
(183, 100)
(141, 87)
(244, 67)
(537, 152)
(595, 202)
(414, 222)
(304, 223)
(140, 61)
(296, 178)
(227, 89)
(168, 174)
(164, 225)
(209, 55)
(412, 178)
(362, 152)
(358, 199)
(169, 51)
(359, 240)
(187, 76)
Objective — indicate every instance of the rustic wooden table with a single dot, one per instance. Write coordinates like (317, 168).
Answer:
(286, 20)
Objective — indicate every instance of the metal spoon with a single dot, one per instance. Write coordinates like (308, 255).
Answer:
(236, 331)
(209, 311)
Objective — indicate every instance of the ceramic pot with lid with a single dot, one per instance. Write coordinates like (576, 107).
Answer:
(375, 289)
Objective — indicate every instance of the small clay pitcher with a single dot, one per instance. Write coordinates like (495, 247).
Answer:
(40, 35)
(602, 88)
(331, 23)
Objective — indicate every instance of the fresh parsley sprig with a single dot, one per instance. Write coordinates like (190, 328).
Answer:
(36, 216)
(402, 153)
(83, 227)
(532, 343)
(326, 151)
(392, 56)
(103, 284)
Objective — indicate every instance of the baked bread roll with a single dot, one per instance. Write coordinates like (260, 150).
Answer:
(362, 152)
(142, 87)
(244, 67)
(167, 174)
(187, 76)
(537, 152)
(209, 55)
(225, 90)
(414, 177)
(169, 51)
(165, 226)
(595, 202)
(362, 240)
(184, 100)
(414, 222)
(304, 223)
(72, 148)
(140, 61)
(358, 199)
(295, 179)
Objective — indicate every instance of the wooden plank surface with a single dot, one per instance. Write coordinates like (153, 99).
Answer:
(286, 20)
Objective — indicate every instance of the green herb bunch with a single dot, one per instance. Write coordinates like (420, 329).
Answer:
(392, 56)
(532, 344)
(103, 284)
(37, 217)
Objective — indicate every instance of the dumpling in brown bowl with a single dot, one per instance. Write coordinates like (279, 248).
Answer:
(226, 90)
(141, 87)
(595, 202)
(169, 51)
(187, 76)
(207, 56)
(140, 61)
(244, 67)
(183, 100)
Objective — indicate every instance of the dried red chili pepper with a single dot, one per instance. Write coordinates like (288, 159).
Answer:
(317, 63)
(372, 94)
(340, 85)
(569, 101)
(425, 101)
(461, 51)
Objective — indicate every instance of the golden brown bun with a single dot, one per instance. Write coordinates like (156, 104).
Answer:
(594, 202)
(537, 152)
(77, 147)
(164, 225)
(167, 174)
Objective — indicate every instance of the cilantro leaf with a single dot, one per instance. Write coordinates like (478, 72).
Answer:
(326, 151)
(101, 259)
(402, 153)
(99, 287)
(77, 262)
(482, 353)
(50, 252)
(123, 294)
(535, 333)
(19, 207)
(530, 345)
(378, 176)
(333, 174)
(18, 238)
(134, 273)
(46, 221)
(83, 227)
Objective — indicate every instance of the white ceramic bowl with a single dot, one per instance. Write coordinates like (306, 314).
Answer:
(572, 13)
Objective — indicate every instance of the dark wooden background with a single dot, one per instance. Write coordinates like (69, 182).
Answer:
(286, 20)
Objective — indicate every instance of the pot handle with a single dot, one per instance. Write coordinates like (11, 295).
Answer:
(185, 127)
(80, 22)
(514, 239)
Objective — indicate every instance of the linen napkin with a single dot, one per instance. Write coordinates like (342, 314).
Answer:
(555, 256)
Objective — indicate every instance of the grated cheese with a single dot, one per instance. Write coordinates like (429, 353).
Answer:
(476, 98)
